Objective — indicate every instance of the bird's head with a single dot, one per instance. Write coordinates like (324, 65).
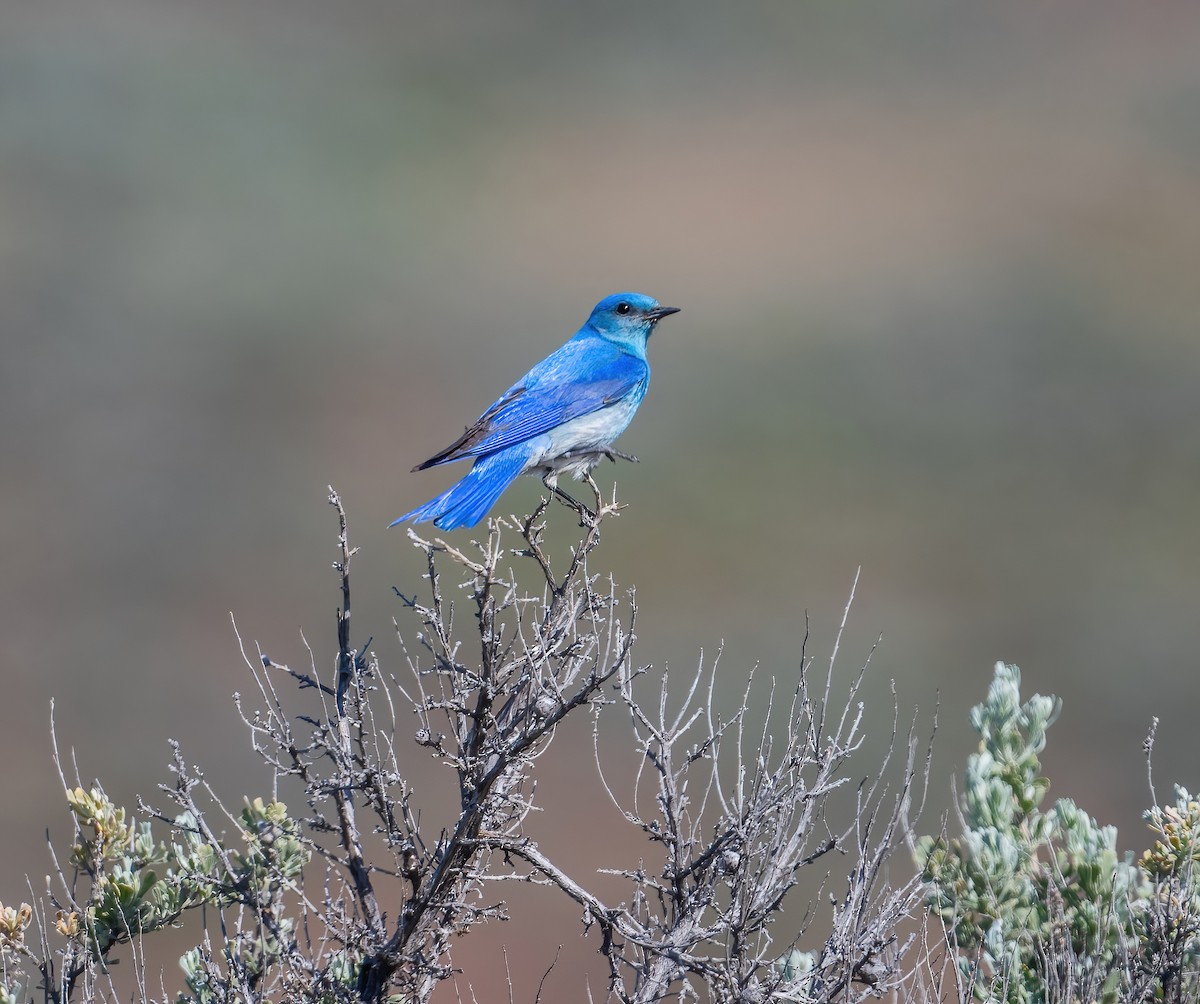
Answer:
(628, 317)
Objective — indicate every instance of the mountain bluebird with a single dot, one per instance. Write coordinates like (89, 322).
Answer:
(560, 418)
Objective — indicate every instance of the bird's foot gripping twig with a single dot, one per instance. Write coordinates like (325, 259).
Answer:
(586, 516)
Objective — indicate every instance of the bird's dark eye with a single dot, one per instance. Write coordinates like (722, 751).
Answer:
(623, 308)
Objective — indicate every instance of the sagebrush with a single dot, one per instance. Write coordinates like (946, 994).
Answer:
(350, 895)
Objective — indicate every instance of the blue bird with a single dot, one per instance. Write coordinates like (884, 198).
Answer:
(560, 418)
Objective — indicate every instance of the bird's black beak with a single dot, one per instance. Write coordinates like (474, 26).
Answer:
(658, 313)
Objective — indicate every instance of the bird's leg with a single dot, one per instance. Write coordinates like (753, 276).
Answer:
(614, 455)
(596, 490)
(551, 483)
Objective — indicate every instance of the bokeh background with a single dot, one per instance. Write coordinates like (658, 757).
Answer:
(938, 265)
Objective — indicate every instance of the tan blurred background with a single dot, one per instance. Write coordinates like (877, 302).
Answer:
(938, 265)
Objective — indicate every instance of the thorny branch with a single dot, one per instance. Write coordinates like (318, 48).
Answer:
(732, 806)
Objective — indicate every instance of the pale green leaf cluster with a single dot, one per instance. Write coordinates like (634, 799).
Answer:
(1038, 904)
(139, 884)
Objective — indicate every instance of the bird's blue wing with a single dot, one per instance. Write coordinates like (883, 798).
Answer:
(583, 376)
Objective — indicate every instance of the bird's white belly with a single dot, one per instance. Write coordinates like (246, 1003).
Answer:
(572, 448)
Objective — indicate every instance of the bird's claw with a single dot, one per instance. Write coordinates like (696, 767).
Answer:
(571, 502)
(615, 455)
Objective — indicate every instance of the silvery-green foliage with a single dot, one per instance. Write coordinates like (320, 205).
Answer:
(126, 884)
(1038, 904)
(1023, 888)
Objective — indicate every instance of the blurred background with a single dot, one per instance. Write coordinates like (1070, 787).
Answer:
(937, 264)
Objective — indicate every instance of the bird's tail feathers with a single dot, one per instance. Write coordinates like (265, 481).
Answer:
(468, 501)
